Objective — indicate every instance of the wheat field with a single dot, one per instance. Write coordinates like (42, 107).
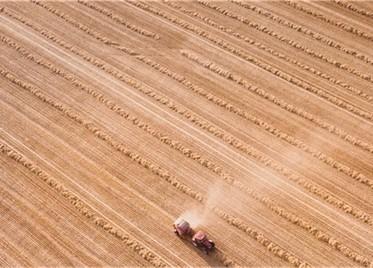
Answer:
(251, 120)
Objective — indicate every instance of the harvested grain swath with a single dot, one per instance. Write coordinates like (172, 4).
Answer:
(340, 24)
(226, 73)
(353, 8)
(275, 53)
(161, 123)
(204, 162)
(131, 82)
(83, 208)
(162, 173)
(251, 59)
(119, 20)
(315, 35)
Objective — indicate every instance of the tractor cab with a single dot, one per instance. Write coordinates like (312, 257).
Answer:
(200, 240)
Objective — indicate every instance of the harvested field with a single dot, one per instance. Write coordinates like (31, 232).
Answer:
(251, 120)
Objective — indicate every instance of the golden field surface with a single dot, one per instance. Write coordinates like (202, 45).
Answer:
(251, 120)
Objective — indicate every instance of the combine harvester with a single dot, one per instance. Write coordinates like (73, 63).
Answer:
(199, 239)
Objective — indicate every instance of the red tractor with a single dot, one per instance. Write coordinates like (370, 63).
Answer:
(199, 239)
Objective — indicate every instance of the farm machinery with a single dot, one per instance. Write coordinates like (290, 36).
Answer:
(199, 239)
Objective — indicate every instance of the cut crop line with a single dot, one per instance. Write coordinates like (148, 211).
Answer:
(342, 25)
(239, 145)
(119, 147)
(88, 160)
(118, 19)
(75, 23)
(94, 196)
(247, 58)
(107, 41)
(262, 93)
(309, 227)
(231, 140)
(340, 167)
(79, 26)
(176, 145)
(314, 35)
(97, 132)
(132, 83)
(283, 38)
(155, 169)
(57, 168)
(84, 208)
(14, 195)
(320, 93)
(221, 256)
(219, 70)
(353, 8)
(213, 167)
(153, 64)
(66, 223)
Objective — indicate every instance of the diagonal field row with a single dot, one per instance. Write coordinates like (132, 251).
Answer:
(118, 117)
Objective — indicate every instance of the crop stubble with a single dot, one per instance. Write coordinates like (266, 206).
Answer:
(232, 213)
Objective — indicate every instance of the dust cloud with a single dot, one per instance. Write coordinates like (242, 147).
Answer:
(200, 216)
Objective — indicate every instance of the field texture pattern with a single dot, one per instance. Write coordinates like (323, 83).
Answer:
(251, 120)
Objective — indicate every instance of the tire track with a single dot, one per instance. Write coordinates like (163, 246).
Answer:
(259, 237)
(94, 194)
(314, 35)
(353, 8)
(340, 167)
(219, 254)
(300, 112)
(284, 39)
(253, 233)
(75, 23)
(152, 167)
(279, 55)
(214, 130)
(118, 19)
(213, 67)
(225, 46)
(65, 255)
(178, 146)
(344, 26)
(81, 206)
(57, 215)
(241, 225)
(89, 125)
